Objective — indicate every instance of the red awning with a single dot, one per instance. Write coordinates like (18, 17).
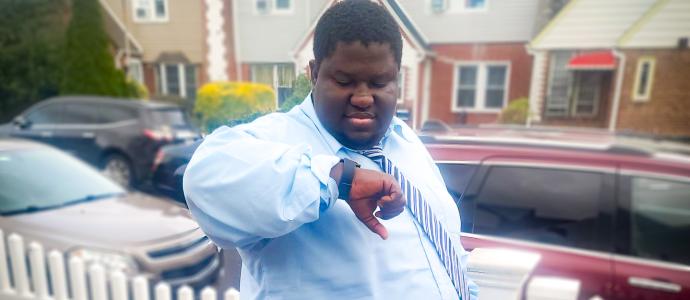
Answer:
(602, 60)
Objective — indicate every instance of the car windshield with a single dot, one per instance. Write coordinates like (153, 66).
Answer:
(39, 179)
(170, 117)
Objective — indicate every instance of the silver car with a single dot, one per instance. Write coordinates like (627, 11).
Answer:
(53, 198)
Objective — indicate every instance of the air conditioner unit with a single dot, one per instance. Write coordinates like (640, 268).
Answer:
(439, 6)
(262, 6)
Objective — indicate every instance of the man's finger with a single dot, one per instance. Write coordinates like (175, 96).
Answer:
(375, 226)
(389, 215)
(391, 205)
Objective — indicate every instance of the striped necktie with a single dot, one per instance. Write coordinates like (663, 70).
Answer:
(427, 219)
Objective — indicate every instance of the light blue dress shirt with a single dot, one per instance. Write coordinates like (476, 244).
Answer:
(264, 188)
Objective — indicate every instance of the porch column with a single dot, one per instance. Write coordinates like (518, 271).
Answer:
(215, 41)
(536, 90)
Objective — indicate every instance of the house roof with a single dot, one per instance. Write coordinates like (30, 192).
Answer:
(117, 30)
(591, 24)
(410, 32)
(660, 27)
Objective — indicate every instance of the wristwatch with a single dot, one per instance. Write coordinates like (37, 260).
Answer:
(346, 178)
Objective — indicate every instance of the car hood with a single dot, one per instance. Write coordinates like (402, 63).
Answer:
(132, 220)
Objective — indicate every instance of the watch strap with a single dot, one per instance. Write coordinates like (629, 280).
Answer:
(346, 177)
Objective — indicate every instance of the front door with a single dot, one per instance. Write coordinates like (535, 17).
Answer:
(587, 93)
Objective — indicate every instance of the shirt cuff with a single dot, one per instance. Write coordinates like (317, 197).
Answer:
(321, 166)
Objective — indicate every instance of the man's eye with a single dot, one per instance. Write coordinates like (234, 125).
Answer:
(379, 84)
(343, 82)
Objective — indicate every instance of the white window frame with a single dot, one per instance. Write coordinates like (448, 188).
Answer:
(480, 88)
(152, 18)
(276, 82)
(182, 79)
(272, 8)
(637, 97)
(454, 6)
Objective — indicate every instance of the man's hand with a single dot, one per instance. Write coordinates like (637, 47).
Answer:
(372, 189)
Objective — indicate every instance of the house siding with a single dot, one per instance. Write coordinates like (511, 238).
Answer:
(590, 24)
(183, 32)
(667, 113)
(479, 26)
(285, 30)
(441, 93)
(663, 28)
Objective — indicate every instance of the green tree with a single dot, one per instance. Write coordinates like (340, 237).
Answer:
(31, 35)
(89, 67)
(302, 87)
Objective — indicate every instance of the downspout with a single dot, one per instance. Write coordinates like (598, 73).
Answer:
(617, 92)
(536, 85)
(235, 25)
(426, 92)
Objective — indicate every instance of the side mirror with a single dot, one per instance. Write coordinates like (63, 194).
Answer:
(21, 122)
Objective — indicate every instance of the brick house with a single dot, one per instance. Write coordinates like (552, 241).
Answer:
(623, 73)
(477, 61)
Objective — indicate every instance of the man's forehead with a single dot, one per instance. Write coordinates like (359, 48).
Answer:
(346, 49)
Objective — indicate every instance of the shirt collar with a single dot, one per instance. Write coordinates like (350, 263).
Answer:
(307, 107)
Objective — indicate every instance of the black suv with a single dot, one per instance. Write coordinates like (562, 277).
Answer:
(117, 135)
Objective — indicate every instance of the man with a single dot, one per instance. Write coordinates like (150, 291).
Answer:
(310, 224)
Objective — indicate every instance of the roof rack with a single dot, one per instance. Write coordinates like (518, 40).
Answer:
(615, 146)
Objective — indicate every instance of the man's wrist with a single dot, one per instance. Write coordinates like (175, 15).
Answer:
(337, 172)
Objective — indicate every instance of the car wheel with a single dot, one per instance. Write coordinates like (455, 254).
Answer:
(118, 168)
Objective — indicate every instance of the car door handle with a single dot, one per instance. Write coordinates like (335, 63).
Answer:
(87, 135)
(652, 284)
(46, 134)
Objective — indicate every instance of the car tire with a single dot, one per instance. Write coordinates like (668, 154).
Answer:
(119, 169)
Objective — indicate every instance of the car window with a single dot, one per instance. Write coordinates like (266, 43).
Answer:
(36, 179)
(457, 177)
(76, 113)
(112, 114)
(660, 218)
(170, 117)
(553, 206)
(48, 114)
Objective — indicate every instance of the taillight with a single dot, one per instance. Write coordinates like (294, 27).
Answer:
(158, 135)
(157, 160)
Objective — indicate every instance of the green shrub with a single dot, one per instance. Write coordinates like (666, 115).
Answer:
(301, 89)
(220, 103)
(516, 112)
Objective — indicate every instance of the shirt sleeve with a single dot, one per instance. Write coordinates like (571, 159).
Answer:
(242, 189)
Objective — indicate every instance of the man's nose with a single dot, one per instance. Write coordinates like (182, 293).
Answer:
(362, 97)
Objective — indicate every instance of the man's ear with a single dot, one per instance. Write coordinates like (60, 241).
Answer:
(314, 71)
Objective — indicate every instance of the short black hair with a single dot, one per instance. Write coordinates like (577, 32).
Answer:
(356, 20)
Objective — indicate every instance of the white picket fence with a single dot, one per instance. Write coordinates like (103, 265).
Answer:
(96, 283)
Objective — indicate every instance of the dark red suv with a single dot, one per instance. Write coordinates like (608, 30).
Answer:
(612, 212)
